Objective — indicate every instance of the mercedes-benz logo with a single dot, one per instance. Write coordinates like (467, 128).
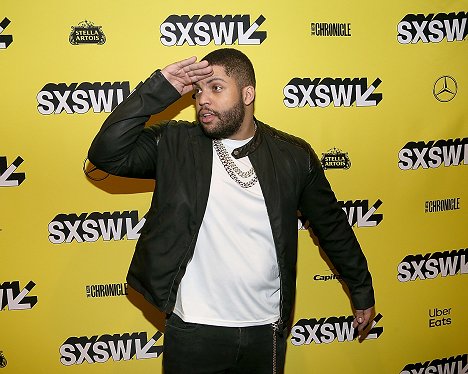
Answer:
(445, 88)
(92, 172)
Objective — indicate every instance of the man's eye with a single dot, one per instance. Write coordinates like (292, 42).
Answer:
(196, 92)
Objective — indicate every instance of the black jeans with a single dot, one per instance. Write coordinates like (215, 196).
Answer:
(191, 348)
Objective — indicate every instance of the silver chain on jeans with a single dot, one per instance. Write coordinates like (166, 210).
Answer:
(275, 330)
(231, 167)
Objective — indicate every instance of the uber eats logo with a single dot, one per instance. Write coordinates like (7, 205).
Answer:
(55, 98)
(77, 350)
(450, 365)
(414, 28)
(432, 265)
(434, 153)
(65, 228)
(202, 30)
(327, 330)
(323, 92)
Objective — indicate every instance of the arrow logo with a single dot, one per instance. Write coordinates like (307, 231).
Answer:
(5, 40)
(11, 296)
(8, 178)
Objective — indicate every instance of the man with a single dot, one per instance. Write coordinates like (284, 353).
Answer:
(218, 250)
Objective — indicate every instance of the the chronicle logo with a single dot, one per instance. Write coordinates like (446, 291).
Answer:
(432, 265)
(106, 290)
(87, 33)
(5, 40)
(434, 153)
(414, 28)
(117, 347)
(8, 177)
(452, 365)
(445, 88)
(202, 30)
(443, 205)
(12, 298)
(54, 98)
(335, 159)
(330, 29)
(360, 214)
(327, 330)
(322, 92)
(65, 228)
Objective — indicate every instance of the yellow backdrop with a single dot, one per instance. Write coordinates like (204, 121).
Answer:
(378, 89)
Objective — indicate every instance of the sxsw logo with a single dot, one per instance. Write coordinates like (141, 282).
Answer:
(414, 28)
(5, 40)
(327, 330)
(360, 214)
(80, 98)
(65, 228)
(450, 152)
(178, 30)
(451, 365)
(12, 298)
(77, 350)
(323, 92)
(8, 177)
(432, 265)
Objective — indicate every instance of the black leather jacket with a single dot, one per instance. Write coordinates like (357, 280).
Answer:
(179, 156)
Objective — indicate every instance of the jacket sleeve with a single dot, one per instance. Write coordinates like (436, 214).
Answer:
(123, 145)
(336, 237)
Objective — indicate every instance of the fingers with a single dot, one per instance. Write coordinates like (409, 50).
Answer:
(362, 318)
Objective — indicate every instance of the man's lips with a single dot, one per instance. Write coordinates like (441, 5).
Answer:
(206, 116)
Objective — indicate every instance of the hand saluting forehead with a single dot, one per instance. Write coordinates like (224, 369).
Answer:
(183, 74)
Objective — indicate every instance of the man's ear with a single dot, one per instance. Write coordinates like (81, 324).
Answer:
(248, 94)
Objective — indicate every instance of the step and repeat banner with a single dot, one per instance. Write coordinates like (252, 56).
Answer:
(380, 91)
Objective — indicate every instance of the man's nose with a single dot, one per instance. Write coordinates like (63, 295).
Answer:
(203, 98)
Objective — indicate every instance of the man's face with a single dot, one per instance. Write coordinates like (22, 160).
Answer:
(219, 104)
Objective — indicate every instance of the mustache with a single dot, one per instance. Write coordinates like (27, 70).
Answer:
(208, 110)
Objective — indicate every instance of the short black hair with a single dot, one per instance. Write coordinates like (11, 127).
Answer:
(235, 64)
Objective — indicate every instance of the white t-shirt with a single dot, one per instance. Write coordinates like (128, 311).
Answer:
(233, 277)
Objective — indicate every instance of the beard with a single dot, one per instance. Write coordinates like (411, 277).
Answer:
(229, 122)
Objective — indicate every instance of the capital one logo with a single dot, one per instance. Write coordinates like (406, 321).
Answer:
(12, 298)
(55, 98)
(202, 30)
(360, 214)
(323, 92)
(77, 350)
(65, 228)
(414, 28)
(327, 330)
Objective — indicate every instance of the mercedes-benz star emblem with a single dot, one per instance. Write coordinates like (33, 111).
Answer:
(445, 88)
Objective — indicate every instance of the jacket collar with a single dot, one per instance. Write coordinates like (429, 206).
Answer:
(253, 144)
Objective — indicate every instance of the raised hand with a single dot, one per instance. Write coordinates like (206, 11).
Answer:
(183, 74)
